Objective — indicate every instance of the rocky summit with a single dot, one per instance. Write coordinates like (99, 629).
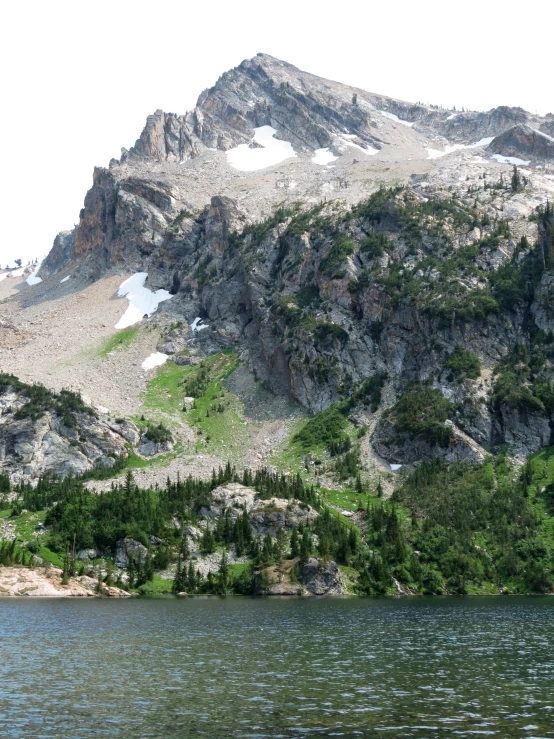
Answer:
(310, 282)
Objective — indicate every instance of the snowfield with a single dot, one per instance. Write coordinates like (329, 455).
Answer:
(393, 117)
(346, 139)
(323, 157)
(273, 151)
(435, 153)
(142, 301)
(33, 279)
(154, 360)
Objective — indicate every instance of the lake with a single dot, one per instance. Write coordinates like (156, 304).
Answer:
(246, 667)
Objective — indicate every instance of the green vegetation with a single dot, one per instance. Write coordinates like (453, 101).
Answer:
(463, 365)
(421, 412)
(159, 434)
(120, 340)
(40, 400)
(519, 383)
(341, 247)
(322, 430)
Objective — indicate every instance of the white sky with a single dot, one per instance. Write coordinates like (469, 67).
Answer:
(79, 78)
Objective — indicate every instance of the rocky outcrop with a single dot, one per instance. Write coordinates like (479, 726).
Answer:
(149, 448)
(266, 516)
(403, 449)
(47, 582)
(322, 578)
(61, 253)
(525, 143)
(56, 441)
(312, 577)
(127, 549)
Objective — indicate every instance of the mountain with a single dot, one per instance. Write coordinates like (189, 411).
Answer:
(311, 278)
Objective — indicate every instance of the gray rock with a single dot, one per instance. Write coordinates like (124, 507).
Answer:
(149, 448)
(29, 448)
(320, 578)
(84, 554)
(129, 548)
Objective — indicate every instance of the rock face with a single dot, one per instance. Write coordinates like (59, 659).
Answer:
(320, 578)
(313, 577)
(149, 448)
(127, 549)
(55, 441)
(524, 142)
(319, 302)
(266, 516)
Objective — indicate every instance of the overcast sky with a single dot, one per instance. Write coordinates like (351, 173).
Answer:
(79, 78)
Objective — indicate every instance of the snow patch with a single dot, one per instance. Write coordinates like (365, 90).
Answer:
(370, 151)
(3, 277)
(395, 467)
(33, 279)
(142, 301)
(273, 151)
(393, 117)
(198, 324)
(509, 160)
(549, 176)
(65, 279)
(17, 272)
(451, 116)
(435, 153)
(323, 157)
(154, 360)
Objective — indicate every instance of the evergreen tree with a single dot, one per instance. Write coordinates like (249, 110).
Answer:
(179, 581)
(294, 544)
(305, 546)
(223, 574)
(208, 541)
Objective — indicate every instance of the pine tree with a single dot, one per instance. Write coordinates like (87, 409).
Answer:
(223, 574)
(294, 544)
(178, 582)
(305, 546)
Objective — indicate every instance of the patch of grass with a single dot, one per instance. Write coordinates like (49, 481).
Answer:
(26, 525)
(120, 340)
(164, 391)
(218, 413)
(156, 586)
(49, 556)
(161, 460)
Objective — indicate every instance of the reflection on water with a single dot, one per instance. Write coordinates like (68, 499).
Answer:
(240, 667)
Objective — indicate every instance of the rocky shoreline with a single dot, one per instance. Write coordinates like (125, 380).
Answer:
(46, 582)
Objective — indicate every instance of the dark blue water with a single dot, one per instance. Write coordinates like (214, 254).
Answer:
(241, 667)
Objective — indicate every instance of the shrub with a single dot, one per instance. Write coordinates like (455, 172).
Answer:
(341, 248)
(158, 434)
(463, 365)
(322, 430)
(325, 331)
(421, 412)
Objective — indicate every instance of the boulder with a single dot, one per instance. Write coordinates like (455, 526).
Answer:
(129, 548)
(149, 448)
(84, 554)
(322, 578)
